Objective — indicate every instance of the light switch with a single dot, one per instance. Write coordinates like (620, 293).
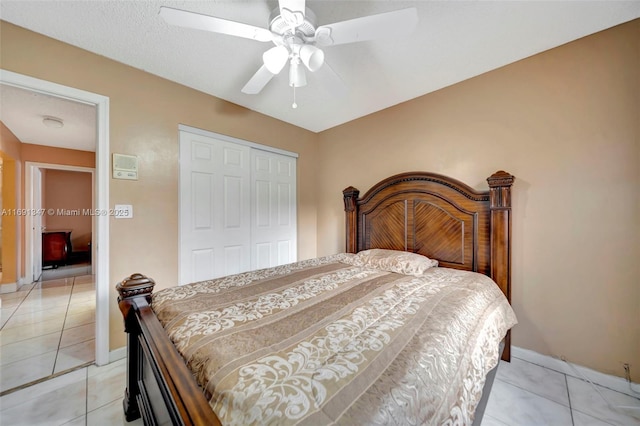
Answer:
(123, 211)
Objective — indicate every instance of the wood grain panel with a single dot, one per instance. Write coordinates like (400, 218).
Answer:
(439, 234)
(386, 227)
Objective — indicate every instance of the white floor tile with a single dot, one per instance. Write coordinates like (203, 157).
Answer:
(26, 370)
(35, 317)
(106, 384)
(64, 401)
(11, 303)
(78, 421)
(16, 295)
(110, 414)
(41, 389)
(78, 319)
(27, 308)
(85, 279)
(17, 334)
(539, 380)
(515, 406)
(13, 352)
(82, 333)
(75, 355)
(491, 421)
(581, 419)
(5, 314)
(588, 401)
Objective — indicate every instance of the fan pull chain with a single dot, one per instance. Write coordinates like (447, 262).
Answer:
(294, 105)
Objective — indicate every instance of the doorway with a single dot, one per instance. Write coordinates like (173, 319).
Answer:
(100, 239)
(70, 201)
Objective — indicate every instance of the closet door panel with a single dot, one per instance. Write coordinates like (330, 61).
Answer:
(214, 208)
(273, 231)
(237, 206)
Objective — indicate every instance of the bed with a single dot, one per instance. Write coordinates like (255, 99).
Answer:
(369, 336)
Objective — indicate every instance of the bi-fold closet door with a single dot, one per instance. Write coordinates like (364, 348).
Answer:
(237, 206)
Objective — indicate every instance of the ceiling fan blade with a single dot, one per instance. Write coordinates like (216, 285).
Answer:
(258, 81)
(292, 11)
(390, 24)
(199, 21)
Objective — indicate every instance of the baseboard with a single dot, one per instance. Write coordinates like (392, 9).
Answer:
(605, 380)
(8, 288)
(118, 354)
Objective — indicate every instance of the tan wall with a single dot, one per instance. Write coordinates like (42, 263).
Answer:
(566, 123)
(11, 223)
(9, 143)
(52, 155)
(69, 191)
(144, 115)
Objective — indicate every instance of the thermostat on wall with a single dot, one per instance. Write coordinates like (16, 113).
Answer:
(125, 167)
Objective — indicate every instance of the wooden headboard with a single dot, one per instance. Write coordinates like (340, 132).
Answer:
(439, 217)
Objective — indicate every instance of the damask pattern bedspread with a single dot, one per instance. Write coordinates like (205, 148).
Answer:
(325, 341)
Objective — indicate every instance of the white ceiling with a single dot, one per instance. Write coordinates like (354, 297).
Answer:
(23, 111)
(455, 40)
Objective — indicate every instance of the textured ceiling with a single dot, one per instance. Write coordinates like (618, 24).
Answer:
(454, 41)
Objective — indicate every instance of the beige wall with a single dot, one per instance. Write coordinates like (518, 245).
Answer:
(53, 155)
(566, 123)
(144, 115)
(11, 224)
(69, 191)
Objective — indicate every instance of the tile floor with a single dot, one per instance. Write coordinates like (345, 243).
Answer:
(46, 328)
(523, 394)
(526, 394)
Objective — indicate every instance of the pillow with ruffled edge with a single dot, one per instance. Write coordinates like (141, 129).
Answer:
(400, 262)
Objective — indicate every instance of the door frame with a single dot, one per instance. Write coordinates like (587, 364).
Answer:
(101, 191)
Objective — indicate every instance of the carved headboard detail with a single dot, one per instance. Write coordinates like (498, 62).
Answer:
(439, 217)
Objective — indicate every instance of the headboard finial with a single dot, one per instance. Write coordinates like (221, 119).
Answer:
(500, 178)
(351, 195)
(500, 189)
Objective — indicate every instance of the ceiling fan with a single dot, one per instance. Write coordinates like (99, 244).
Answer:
(293, 30)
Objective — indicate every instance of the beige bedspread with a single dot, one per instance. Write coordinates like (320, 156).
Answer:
(322, 341)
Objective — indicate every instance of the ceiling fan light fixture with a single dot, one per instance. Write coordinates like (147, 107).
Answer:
(311, 57)
(275, 59)
(53, 122)
(297, 77)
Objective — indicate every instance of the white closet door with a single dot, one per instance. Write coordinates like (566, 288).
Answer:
(273, 209)
(214, 207)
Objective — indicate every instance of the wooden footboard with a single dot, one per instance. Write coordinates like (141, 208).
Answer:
(160, 387)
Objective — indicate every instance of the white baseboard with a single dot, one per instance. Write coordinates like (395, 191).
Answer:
(605, 380)
(118, 354)
(8, 288)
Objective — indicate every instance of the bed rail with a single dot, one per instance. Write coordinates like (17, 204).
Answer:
(160, 387)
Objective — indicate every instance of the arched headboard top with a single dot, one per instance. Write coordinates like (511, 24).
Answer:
(434, 215)
(438, 181)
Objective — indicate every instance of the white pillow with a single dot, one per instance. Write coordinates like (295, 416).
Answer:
(400, 262)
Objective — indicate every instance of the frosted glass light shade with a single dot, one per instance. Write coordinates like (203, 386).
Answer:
(275, 59)
(311, 57)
